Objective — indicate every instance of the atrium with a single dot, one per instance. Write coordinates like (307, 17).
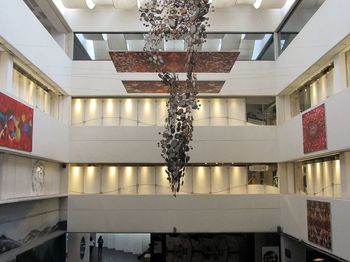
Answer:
(174, 130)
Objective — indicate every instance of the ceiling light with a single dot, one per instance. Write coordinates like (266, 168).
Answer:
(90, 4)
(257, 4)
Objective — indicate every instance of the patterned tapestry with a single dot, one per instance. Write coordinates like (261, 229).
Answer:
(207, 62)
(319, 223)
(160, 87)
(314, 130)
(16, 124)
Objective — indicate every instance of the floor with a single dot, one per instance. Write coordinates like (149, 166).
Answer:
(111, 255)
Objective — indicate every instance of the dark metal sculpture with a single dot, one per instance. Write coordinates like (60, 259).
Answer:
(174, 20)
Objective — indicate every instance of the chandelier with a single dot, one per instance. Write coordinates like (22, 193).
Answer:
(176, 20)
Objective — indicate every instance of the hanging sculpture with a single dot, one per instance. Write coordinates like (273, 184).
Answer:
(176, 20)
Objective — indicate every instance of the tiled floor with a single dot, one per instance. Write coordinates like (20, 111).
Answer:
(110, 255)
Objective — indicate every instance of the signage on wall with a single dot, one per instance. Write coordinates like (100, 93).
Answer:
(314, 130)
(319, 230)
(16, 124)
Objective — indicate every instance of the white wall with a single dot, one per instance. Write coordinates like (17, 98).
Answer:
(127, 214)
(327, 27)
(139, 145)
(290, 137)
(99, 78)
(16, 177)
(32, 41)
(294, 221)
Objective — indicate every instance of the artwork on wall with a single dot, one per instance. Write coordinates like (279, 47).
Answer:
(207, 62)
(319, 223)
(160, 87)
(314, 130)
(38, 177)
(16, 124)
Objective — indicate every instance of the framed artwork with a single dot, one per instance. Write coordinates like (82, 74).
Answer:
(16, 124)
(319, 230)
(314, 130)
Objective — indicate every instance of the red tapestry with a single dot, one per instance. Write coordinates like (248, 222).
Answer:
(314, 130)
(206, 62)
(160, 87)
(16, 124)
(319, 223)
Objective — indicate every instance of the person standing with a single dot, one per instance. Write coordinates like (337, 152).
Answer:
(100, 246)
(92, 245)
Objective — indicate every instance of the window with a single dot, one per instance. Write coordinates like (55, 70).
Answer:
(297, 19)
(34, 92)
(313, 92)
(96, 46)
(319, 177)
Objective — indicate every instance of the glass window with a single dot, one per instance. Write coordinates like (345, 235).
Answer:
(319, 177)
(96, 46)
(261, 110)
(313, 92)
(34, 92)
(299, 16)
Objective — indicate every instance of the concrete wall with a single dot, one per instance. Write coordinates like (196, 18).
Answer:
(139, 145)
(127, 214)
(32, 41)
(294, 221)
(337, 110)
(16, 178)
(327, 27)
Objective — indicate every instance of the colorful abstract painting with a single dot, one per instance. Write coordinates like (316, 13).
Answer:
(160, 87)
(314, 130)
(206, 62)
(16, 124)
(319, 228)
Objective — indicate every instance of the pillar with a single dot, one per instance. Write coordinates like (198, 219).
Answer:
(345, 174)
(339, 73)
(6, 71)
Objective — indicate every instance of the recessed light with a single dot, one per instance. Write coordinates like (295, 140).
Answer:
(90, 4)
(257, 4)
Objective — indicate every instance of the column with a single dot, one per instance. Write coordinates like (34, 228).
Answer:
(339, 73)
(345, 174)
(283, 178)
(282, 109)
(6, 71)
(65, 110)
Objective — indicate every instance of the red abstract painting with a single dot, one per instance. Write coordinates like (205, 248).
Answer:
(314, 130)
(16, 124)
(319, 228)
(206, 62)
(160, 87)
